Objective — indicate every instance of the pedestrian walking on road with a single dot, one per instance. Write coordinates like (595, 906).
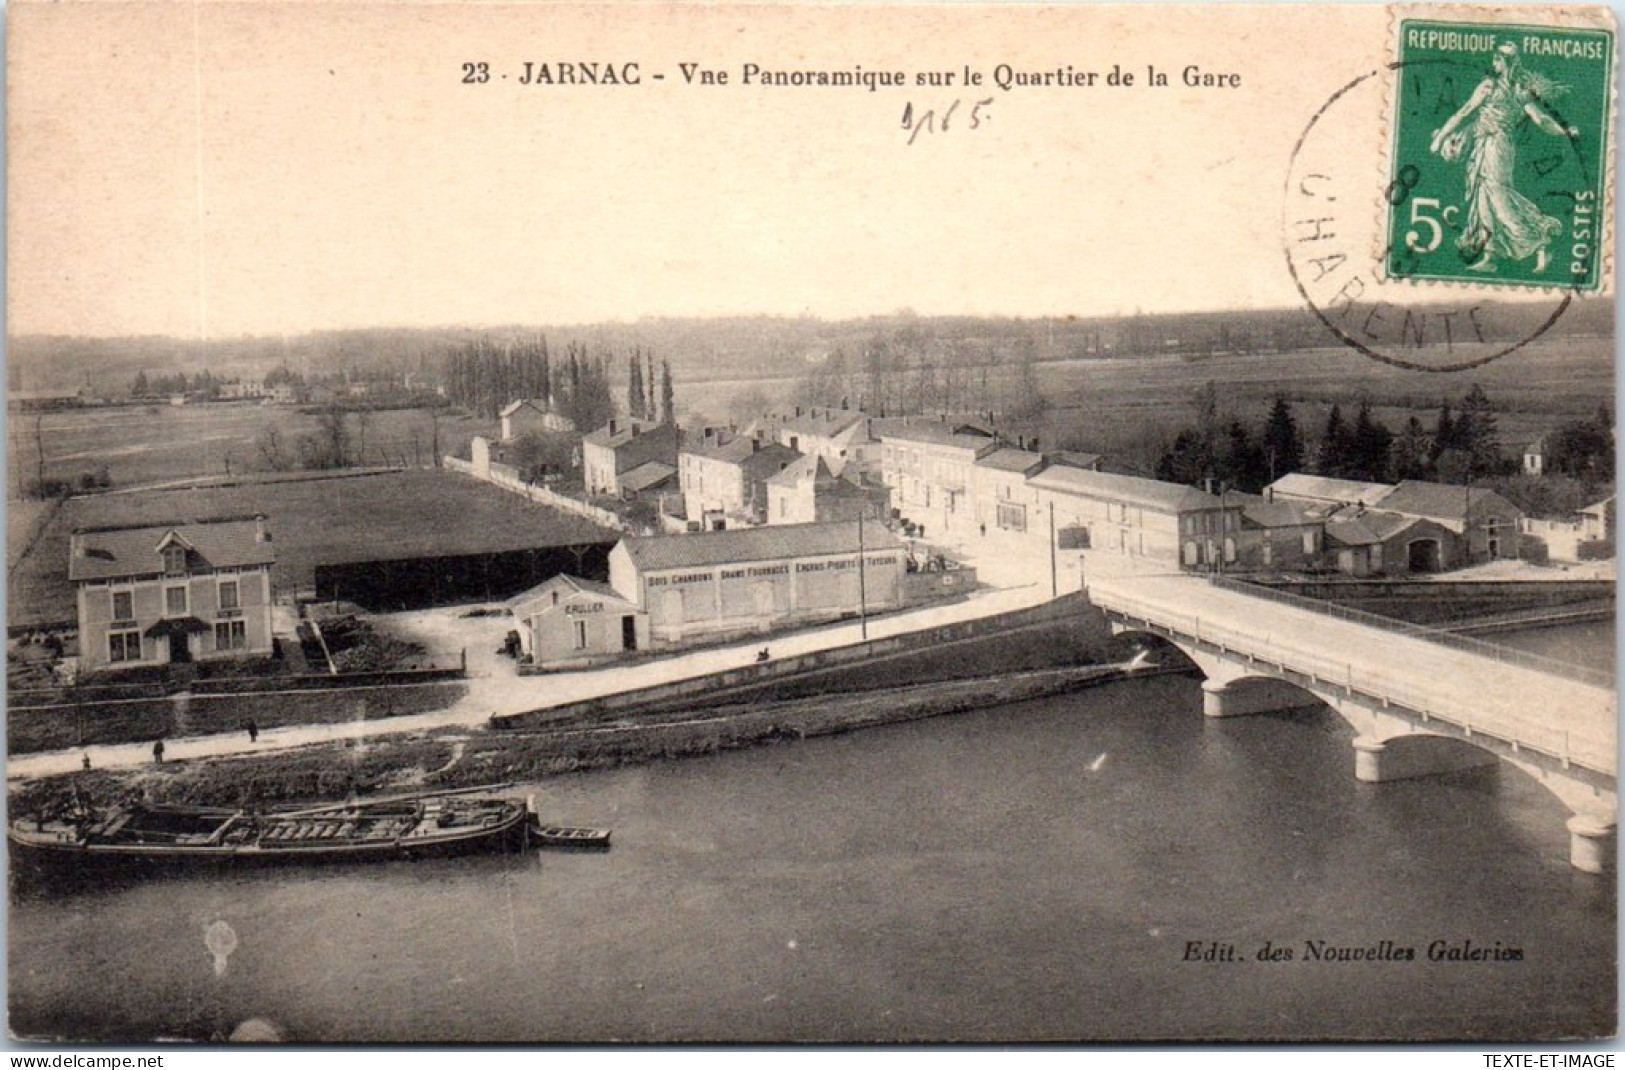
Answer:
(85, 762)
(253, 732)
(158, 752)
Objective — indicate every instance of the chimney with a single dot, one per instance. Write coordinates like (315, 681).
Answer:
(612, 426)
(755, 445)
(636, 430)
(795, 442)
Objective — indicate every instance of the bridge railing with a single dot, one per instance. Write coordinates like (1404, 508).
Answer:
(1509, 655)
(1450, 695)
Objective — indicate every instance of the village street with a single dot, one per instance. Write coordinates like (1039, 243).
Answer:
(1013, 573)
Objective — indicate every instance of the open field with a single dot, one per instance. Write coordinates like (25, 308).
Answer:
(1116, 407)
(1098, 404)
(1113, 405)
(327, 519)
(142, 444)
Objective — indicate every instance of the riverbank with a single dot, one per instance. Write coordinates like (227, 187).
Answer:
(448, 761)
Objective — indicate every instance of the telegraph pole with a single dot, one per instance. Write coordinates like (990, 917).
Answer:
(863, 592)
(1054, 578)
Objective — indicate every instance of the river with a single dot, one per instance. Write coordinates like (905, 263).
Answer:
(1034, 872)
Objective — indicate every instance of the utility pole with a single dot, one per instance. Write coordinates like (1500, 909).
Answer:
(39, 448)
(1467, 523)
(1054, 577)
(863, 591)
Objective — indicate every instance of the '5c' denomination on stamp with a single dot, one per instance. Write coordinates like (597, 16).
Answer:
(1500, 142)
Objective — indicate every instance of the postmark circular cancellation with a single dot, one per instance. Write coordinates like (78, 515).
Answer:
(1490, 215)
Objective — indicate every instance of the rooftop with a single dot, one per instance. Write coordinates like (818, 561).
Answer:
(742, 450)
(1598, 508)
(815, 470)
(532, 403)
(1133, 490)
(1370, 527)
(1326, 489)
(1074, 459)
(619, 432)
(117, 552)
(823, 422)
(646, 475)
(740, 545)
(1263, 513)
(566, 585)
(964, 434)
(1439, 501)
(1009, 459)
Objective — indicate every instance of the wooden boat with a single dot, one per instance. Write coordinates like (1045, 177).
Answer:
(569, 836)
(344, 832)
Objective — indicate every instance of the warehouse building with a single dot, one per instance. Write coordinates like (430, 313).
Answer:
(719, 583)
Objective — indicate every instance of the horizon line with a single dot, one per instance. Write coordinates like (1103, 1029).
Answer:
(896, 314)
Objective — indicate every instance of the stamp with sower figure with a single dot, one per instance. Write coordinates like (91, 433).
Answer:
(1500, 142)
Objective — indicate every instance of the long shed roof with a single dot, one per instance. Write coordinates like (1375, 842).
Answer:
(776, 542)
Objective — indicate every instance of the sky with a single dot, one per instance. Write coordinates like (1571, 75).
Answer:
(221, 169)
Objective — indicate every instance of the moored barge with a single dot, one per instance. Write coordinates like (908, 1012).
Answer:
(342, 832)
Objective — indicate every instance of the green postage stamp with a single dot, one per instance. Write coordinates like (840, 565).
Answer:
(1499, 172)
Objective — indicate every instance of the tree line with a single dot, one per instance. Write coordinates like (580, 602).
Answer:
(913, 370)
(159, 386)
(484, 377)
(1462, 446)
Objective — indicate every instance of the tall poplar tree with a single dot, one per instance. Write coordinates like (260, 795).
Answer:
(668, 399)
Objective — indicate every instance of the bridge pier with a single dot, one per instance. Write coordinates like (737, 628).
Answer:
(1593, 842)
(1424, 725)
(1377, 761)
(1233, 690)
(1249, 695)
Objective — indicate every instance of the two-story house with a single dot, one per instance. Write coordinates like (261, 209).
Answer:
(929, 466)
(621, 446)
(530, 416)
(724, 477)
(809, 492)
(840, 436)
(167, 593)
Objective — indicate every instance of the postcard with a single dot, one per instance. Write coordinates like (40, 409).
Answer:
(587, 523)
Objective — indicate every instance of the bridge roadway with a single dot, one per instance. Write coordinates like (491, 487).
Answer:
(1524, 708)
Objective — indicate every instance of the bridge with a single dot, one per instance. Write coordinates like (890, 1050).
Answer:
(1419, 705)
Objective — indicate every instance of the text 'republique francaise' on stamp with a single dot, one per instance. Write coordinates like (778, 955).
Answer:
(1491, 211)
